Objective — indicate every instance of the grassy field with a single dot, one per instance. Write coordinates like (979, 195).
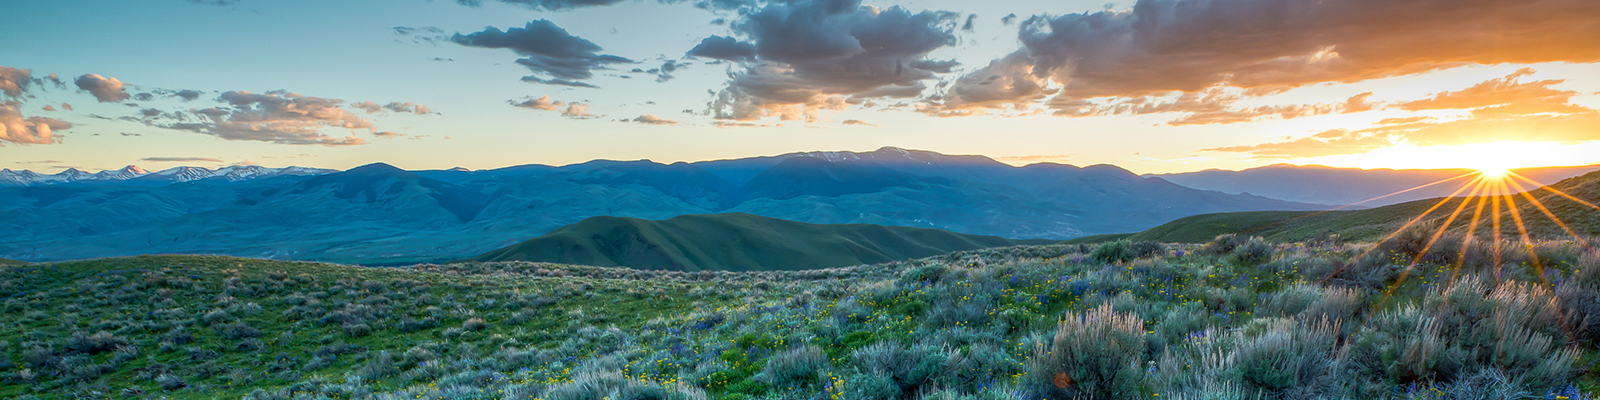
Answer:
(1236, 318)
(10, 262)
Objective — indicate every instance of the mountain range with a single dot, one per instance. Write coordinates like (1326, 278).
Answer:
(735, 242)
(1328, 185)
(381, 214)
(133, 175)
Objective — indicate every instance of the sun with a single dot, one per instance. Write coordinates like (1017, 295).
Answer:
(1493, 172)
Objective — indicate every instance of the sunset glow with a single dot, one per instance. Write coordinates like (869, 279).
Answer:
(1493, 158)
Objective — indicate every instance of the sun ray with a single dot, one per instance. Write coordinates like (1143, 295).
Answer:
(1379, 197)
(1547, 213)
(1416, 259)
(1472, 232)
(1522, 229)
(1408, 224)
(1513, 175)
(1480, 175)
(1494, 214)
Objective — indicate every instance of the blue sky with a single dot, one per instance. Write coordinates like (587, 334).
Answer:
(1102, 96)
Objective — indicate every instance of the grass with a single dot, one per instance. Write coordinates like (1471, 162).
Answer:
(10, 262)
(1241, 318)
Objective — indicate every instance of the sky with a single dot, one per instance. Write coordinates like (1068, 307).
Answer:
(1154, 86)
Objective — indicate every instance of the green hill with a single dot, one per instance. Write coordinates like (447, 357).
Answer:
(1370, 224)
(10, 262)
(736, 242)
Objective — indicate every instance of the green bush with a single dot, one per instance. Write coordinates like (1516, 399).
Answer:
(1117, 251)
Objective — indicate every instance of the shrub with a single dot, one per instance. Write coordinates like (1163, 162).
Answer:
(1254, 252)
(1098, 354)
(795, 368)
(381, 367)
(357, 330)
(97, 343)
(910, 369)
(1146, 249)
(169, 382)
(237, 330)
(214, 316)
(1118, 251)
(1224, 244)
(1289, 354)
(475, 324)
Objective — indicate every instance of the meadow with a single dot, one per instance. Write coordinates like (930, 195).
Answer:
(1235, 318)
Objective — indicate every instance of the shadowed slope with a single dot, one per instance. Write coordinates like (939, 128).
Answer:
(736, 241)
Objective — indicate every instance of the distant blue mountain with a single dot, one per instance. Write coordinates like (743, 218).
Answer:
(381, 214)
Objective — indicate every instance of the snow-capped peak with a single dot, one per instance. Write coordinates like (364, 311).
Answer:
(132, 172)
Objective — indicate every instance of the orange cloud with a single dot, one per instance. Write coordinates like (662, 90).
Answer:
(1162, 46)
(15, 128)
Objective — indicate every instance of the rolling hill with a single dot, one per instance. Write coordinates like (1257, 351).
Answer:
(1375, 223)
(736, 242)
(1328, 185)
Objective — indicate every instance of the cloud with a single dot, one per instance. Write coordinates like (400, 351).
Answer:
(811, 55)
(14, 81)
(186, 94)
(577, 110)
(276, 116)
(106, 89)
(723, 48)
(541, 103)
(180, 159)
(372, 107)
(387, 134)
(1162, 46)
(15, 128)
(551, 5)
(651, 119)
(422, 34)
(215, 2)
(369, 106)
(1006, 83)
(573, 110)
(858, 122)
(66, 106)
(971, 19)
(1038, 158)
(1503, 96)
(1215, 105)
(547, 49)
(48, 107)
(1497, 110)
(407, 107)
(1008, 19)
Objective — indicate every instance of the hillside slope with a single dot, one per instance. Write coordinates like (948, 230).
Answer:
(1374, 223)
(736, 241)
